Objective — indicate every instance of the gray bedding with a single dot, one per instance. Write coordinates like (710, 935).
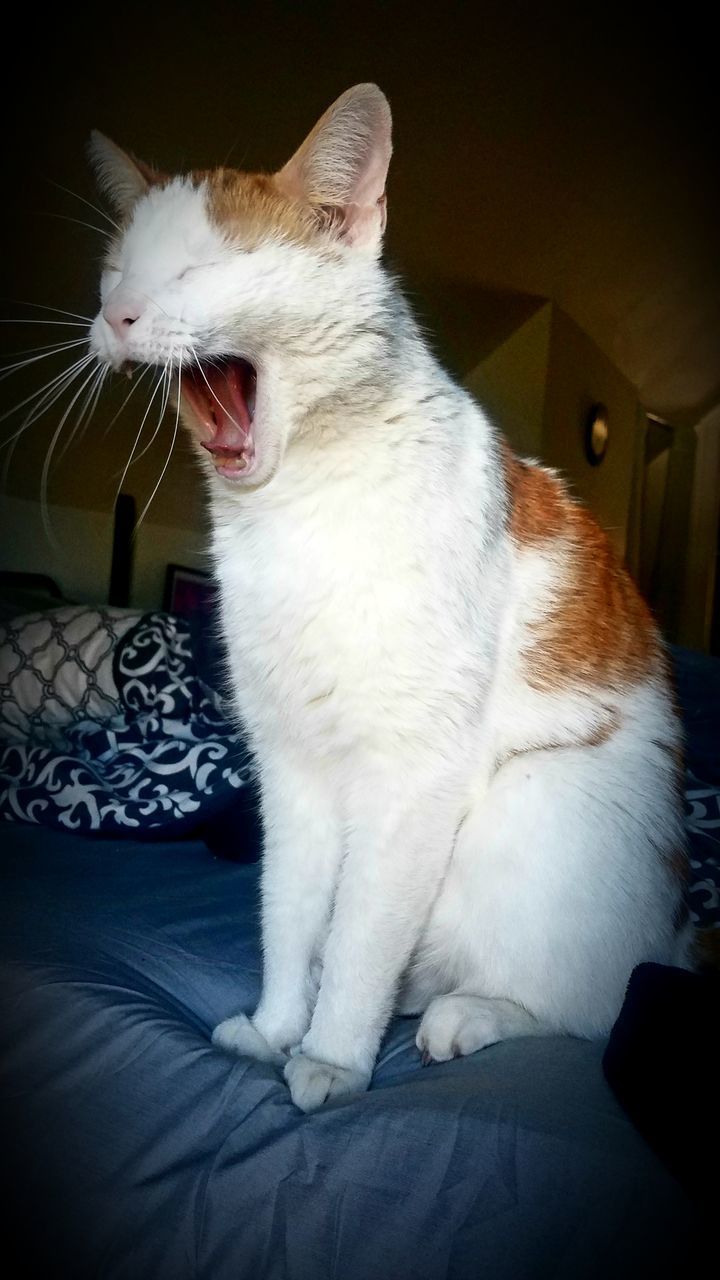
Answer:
(134, 1149)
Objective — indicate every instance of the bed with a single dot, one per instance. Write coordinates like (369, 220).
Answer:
(129, 929)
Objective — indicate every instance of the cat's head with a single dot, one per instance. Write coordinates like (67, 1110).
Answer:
(245, 287)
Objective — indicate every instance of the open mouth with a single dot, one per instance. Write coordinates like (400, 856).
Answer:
(222, 395)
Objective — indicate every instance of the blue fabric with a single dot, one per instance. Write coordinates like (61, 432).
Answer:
(653, 1074)
(138, 1151)
(697, 687)
(170, 762)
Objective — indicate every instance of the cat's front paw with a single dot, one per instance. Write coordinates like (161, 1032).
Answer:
(312, 1083)
(238, 1035)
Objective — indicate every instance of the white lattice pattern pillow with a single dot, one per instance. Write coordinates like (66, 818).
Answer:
(56, 669)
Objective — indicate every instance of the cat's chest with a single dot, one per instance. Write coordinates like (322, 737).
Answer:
(315, 618)
(332, 623)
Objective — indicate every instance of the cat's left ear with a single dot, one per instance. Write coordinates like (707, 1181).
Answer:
(121, 177)
(341, 167)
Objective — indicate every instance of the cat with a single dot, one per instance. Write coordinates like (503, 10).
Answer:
(469, 755)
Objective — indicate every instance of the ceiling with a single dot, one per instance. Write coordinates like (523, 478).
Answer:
(565, 155)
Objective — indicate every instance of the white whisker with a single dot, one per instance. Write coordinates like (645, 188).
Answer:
(151, 441)
(44, 400)
(94, 403)
(91, 398)
(68, 324)
(65, 217)
(48, 401)
(48, 457)
(89, 203)
(167, 378)
(128, 464)
(212, 393)
(51, 350)
(41, 306)
(154, 303)
(130, 393)
(60, 377)
(170, 452)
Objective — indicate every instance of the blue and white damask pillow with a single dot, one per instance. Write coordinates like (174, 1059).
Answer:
(156, 757)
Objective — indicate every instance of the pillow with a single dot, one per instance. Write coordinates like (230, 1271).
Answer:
(56, 669)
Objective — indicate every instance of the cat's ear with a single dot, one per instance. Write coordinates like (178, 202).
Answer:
(341, 167)
(120, 177)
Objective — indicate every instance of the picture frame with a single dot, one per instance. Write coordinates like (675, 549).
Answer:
(187, 591)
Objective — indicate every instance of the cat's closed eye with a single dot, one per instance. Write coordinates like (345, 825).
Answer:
(196, 266)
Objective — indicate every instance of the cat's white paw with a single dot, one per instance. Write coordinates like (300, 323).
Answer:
(456, 1025)
(238, 1035)
(311, 1083)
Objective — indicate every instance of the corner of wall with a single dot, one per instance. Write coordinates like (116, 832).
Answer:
(510, 383)
(580, 375)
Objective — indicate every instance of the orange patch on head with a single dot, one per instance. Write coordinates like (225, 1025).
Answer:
(252, 209)
(598, 630)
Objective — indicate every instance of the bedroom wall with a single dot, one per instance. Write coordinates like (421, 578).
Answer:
(579, 375)
(510, 383)
(82, 483)
(85, 469)
(539, 385)
(79, 556)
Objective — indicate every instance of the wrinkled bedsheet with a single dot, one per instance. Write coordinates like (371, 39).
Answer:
(133, 1149)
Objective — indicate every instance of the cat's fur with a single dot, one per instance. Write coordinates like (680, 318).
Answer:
(459, 705)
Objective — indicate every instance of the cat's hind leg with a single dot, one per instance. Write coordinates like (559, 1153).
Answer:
(562, 880)
(461, 1023)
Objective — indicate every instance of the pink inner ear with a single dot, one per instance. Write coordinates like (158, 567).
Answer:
(343, 163)
(369, 186)
(364, 223)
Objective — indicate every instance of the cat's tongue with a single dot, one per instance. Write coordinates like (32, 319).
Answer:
(223, 397)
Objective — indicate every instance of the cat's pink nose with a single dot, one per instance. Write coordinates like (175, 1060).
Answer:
(122, 308)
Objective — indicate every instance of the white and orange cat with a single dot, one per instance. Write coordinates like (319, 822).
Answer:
(467, 746)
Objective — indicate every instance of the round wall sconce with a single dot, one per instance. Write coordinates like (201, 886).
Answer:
(597, 434)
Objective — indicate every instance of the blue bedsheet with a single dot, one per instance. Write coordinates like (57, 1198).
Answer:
(138, 1151)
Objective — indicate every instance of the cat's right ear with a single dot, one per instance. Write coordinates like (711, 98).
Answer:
(120, 177)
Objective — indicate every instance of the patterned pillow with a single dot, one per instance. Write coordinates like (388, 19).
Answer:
(56, 669)
(169, 763)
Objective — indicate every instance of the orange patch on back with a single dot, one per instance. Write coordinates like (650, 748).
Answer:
(598, 629)
(537, 502)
